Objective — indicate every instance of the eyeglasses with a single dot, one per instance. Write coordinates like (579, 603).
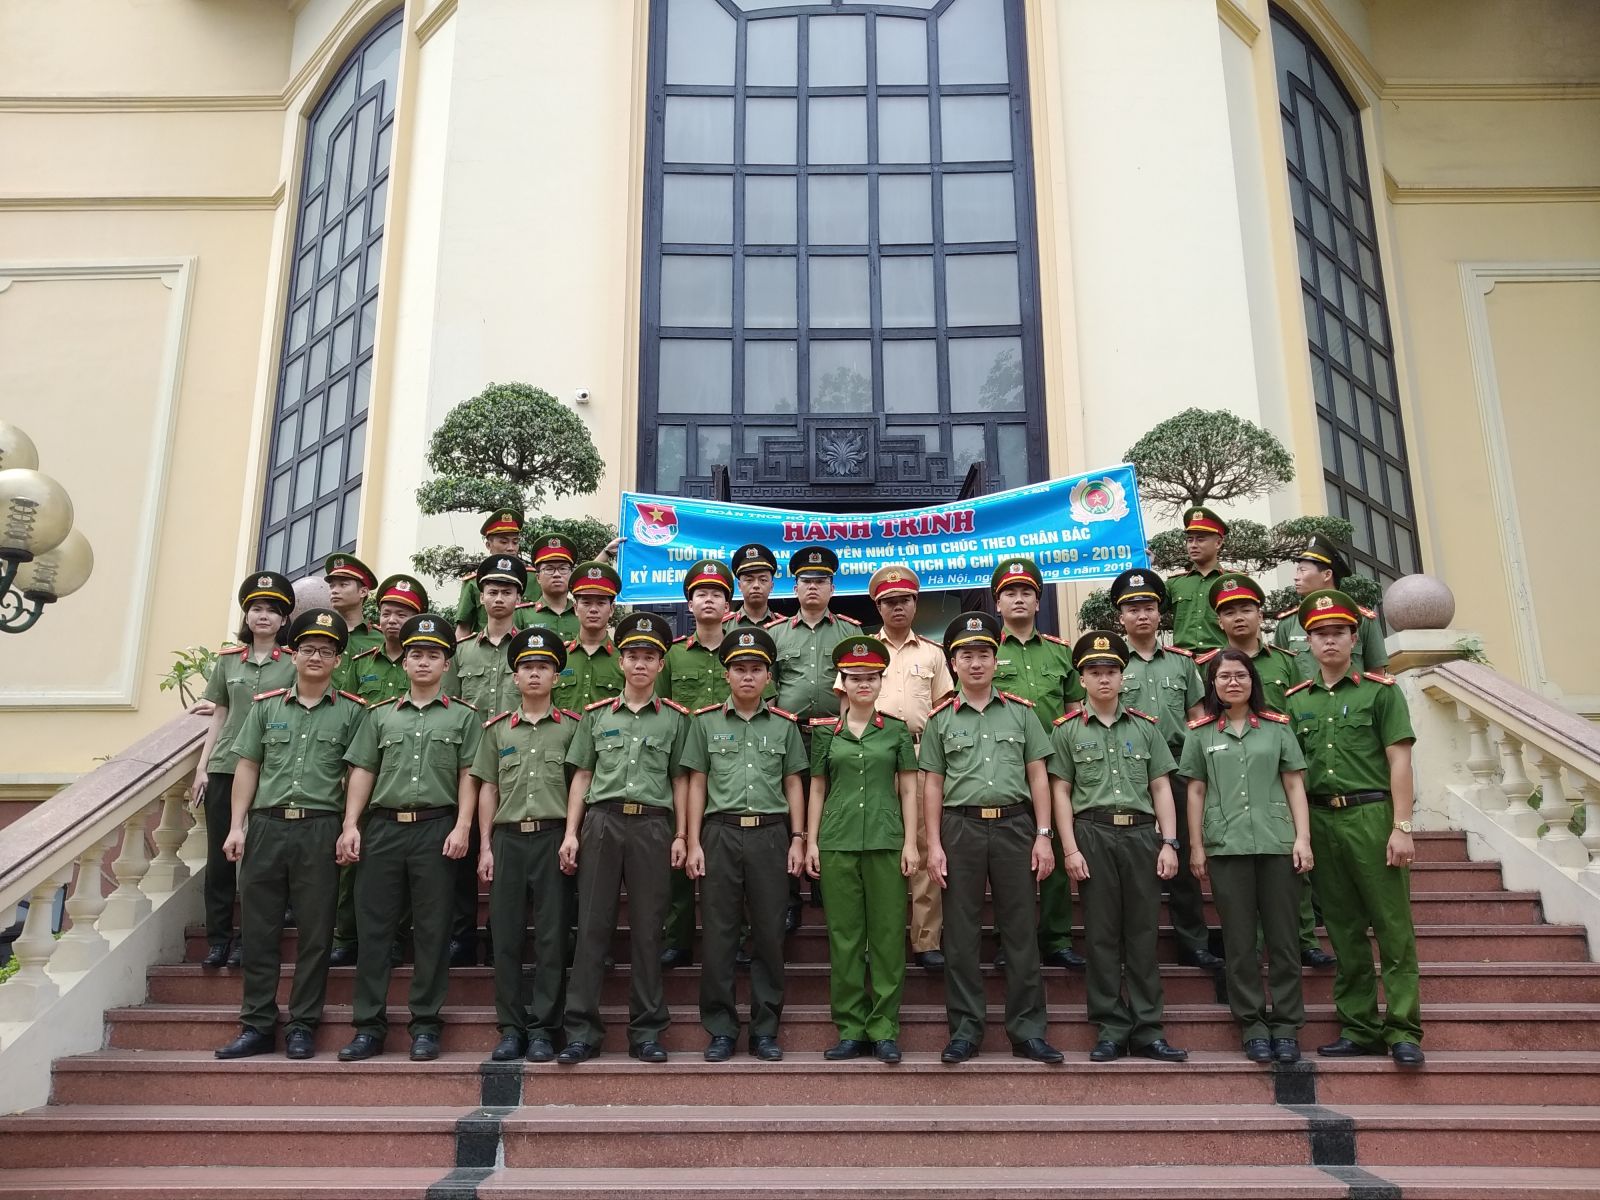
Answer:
(316, 652)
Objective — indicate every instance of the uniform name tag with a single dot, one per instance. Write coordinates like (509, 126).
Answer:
(369, 679)
(507, 750)
(277, 724)
(722, 737)
(611, 733)
(1215, 749)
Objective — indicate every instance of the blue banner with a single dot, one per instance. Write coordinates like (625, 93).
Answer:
(1080, 528)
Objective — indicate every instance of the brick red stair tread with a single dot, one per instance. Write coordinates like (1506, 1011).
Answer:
(247, 1118)
(235, 1183)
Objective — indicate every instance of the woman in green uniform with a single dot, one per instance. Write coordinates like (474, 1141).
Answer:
(259, 664)
(861, 837)
(1250, 831)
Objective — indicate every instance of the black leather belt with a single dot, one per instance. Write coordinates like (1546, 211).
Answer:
(978, 812)
(1116, 818)
(632, 808)
(542, 825)
(1349, 799)
(410, 816)
(747, 820)
(289, 813)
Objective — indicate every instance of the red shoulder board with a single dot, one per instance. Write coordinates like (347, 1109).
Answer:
(1282, 650)
(459, 700)
(367, 651)
(848, 620)
(1207, 656)
(774, 620)
(943, 704)
(495, 720)
(232, 650)
(1017, 698)
(567, 712)
(671, 703)
(824, 722)
(1145, 715)
(1050, 637)
(471, 575)
(1065, 717)
(707, 708)
(352, 696)
(1269, 715)
(1377, 677)
(1286, 613)
(527, 604)
(390, 700)
(1178, 650)
(598, 704)
(271, 694)
(1304, 683)
(1368, 613)
(782, 712)
(573, 644)
(680, 640)
(465, 637)
(1198, 722)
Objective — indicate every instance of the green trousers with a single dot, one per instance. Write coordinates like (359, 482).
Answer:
(401, 865)
(1121, 909)
(1185, 903)
(1360, 892)
(528, 886)
(287, 864)
(746, 871)
(617, 851)
(679, 933)
(866, 936)
(993, 853)
(1262, 890)
(1055, 906)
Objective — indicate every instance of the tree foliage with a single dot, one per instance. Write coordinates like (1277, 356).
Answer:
(1201, 457)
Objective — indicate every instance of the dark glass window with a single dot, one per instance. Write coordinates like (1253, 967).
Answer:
(319, 424)
(1349, 336)
(840, 291)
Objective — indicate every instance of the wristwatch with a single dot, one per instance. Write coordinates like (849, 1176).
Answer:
(1045, 831)
(1402, 826)
(1173, 842)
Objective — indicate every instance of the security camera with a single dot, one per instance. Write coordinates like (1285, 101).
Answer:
(581, 395)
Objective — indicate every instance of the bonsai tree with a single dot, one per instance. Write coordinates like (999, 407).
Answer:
(512, 444)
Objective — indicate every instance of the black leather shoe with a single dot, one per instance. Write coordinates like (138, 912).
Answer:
(1199, 958)
(650, 1052)
(342, 956)
(541, 1050)
(1286, 1050)
(958, 1051)
(577, 1052)
(363, 1045)
(887, 1051)
(720, 1049)
(250, 1042)
(425, 1047)
(1037, 1049)
(1316, 956)
(846, 1048)
(1160, 1051)
(1258, 1050)
(930, 960)
(674, 956)
(1345, 1048)
(507, 1048)
(1064, 957)
(463, 954)
(1105, 1051)
(791, 918)
(741, 957)
(236, 953)
(766, 1048)
(216, 956)
(1406, 1054)
(299, 1043)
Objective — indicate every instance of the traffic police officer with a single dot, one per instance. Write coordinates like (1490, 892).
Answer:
(502, 534)
(553, 560)
(350, 581)
(593, 671)
(1318, 567)
(1194, 621)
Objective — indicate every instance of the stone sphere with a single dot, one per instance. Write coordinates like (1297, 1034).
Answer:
(1419, 602)
(310, 592)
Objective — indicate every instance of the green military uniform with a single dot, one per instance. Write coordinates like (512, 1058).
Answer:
(347, 566)
(1370, 653)
(539, 613)
(374, 676)
(859, 842)
(1248, 834)
(1110, 768)
(755, 557)
(416, 753)
(745, 835)
(625, 840)
(804, 670)
(470, 613)
(987, 831)
(1194, 621)
(290, 842)
(526, 760)
(1344, 731)
(1275, 665)
(480, 675)
(589, 675)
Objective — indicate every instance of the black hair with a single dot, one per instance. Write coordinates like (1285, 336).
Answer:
(1213, 705)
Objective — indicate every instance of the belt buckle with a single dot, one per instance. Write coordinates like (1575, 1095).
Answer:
(989, 814)
(1122, 818)
(1338, 801)
(632, 809)
(293, 814)
(749, 822)
(528, 827)
(406, 818)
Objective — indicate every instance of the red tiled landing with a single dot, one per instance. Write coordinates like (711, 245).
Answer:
(206, 1183)
(1489, 1136)
(1502, 1183)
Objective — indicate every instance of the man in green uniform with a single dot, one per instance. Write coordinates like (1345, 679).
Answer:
(1113, 802)
(593, 671)
(1038, 667)
(350, 581)
(502, 534)
(629, 796)
(552, 563)
(754, 566)
(746, 825)
(411, 760)
(1194, 621)
(1356, 733)
(986, 805)
(522, 815)
(290, 780)
(1319, 567)
(1162, 681)
(694, 676)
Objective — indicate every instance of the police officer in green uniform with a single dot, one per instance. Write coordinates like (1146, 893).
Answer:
(502, 534)
(1194, 621)
(1038, 667)
(755, 567)
(1162, 681)
(1356, 733)
(695, 677)
(522, 816)
(350, 581)
(290, 780)
(1110, 765)
(593, 671)
(553, 561)
(1249, 831)
(410, 760)
(746, 826)
(629, 796)
(241, 672)
(1318, 567)
(986, 805)
(861, 832)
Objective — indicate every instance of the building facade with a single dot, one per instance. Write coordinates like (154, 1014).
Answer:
(251, 253)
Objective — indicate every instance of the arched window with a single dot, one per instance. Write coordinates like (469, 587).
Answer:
(840, 297)
(319, 424)
(1350, 338)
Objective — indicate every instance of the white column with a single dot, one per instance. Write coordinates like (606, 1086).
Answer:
(82, 945)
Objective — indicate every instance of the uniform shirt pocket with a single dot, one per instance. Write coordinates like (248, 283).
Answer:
(1088, 762)
(1009, 746)
(444, 748)
(1136, 766)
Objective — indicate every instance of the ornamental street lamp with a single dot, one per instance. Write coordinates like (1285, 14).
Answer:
(42, 557)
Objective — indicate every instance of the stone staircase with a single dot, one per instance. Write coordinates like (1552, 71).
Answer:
(1508, 1105)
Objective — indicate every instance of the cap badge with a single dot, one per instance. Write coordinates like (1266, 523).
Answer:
(1323, 602)
(264, 581)
(1232, 583)
(554, 543)
(425, 627)
(1015, 569)
(402, 586)
(813, 557)
(536, 640)
(325, 619)
(974, 625)
(1135, 580)
(858, 648)
(645, 626)
(747, 639)
(893, 577)
(502, 564)
(592, 573)
(1101, 643)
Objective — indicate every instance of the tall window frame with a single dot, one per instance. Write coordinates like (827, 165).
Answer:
(1350, 339)
(319, 424)
(916, 443)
